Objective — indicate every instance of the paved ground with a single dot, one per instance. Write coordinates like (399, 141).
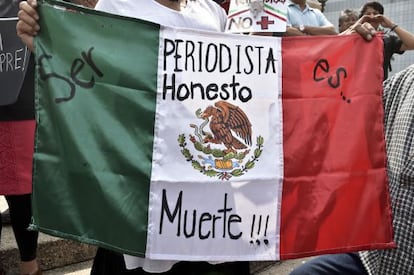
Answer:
(283, 268)
(76, 269)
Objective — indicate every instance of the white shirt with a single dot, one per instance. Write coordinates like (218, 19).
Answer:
(199, 14)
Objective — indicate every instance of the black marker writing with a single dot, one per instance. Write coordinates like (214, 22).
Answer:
(256, 229)
(232, 90)
(205, 224)
(321, 72)
(76, 68)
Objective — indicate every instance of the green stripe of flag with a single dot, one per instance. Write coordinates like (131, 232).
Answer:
(84, 105)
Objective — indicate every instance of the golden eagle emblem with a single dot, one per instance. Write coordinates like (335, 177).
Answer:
(227, 118)
(230, 128)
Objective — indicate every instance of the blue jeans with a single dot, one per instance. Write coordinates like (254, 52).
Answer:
(335, 264)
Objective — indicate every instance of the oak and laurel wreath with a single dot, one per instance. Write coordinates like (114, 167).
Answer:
(217, 153)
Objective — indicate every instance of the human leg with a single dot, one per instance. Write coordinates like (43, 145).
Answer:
(335, 264)
(20, 215)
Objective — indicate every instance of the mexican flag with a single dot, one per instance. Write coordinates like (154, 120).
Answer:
(177, 144)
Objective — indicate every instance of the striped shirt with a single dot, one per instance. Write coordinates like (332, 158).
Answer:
(399, 135)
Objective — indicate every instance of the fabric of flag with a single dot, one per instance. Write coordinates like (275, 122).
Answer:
(186, 145)
(332, 113)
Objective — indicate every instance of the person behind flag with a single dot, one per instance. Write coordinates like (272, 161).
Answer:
(314, 4)
(194, 14)
(398, 98)
(346, 19)
(16, 150)
(396, 39)
(304, 20)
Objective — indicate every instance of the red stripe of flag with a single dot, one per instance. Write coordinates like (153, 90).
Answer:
(335, 190)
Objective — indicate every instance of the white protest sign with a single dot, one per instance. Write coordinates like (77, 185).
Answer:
(257, 16)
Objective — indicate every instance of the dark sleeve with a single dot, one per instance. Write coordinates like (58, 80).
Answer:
(9, 8)
(393, 43)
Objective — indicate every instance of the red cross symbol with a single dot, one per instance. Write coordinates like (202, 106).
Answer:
(265, 22)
